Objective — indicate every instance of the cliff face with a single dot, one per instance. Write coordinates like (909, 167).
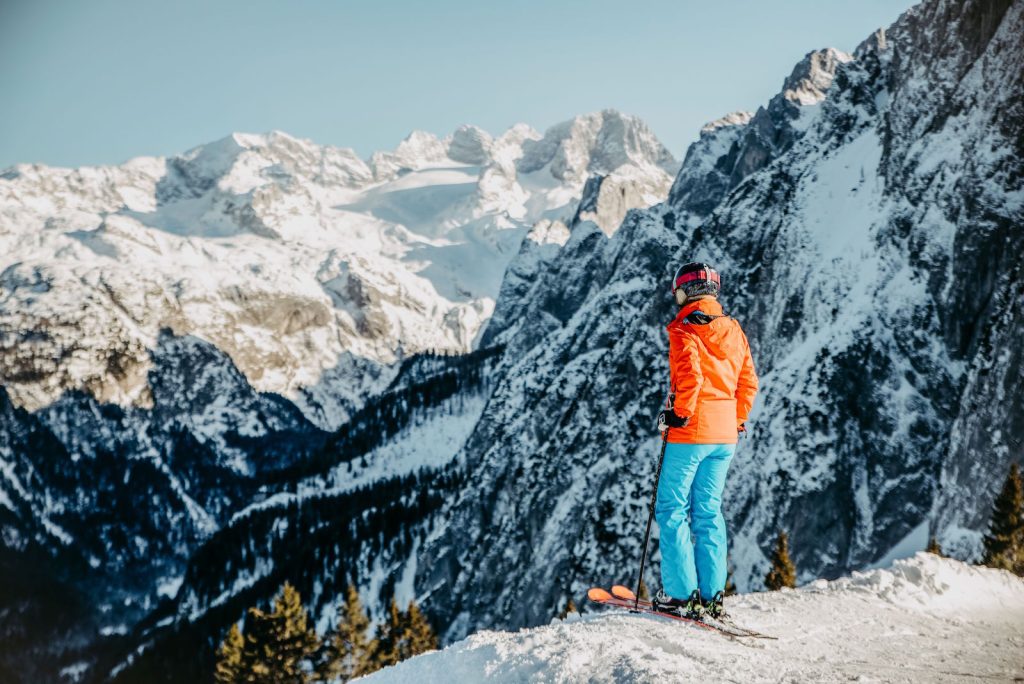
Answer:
(868, 225)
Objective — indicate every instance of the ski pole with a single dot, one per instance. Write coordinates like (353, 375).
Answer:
(650, 518)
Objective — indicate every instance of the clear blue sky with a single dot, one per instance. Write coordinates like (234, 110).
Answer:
(100, 81)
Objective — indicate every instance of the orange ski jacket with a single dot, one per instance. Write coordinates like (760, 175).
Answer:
(711, 372)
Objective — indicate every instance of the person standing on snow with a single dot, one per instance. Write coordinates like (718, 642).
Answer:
(713, 387)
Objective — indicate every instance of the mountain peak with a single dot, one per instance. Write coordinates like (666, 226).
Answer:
(470, 145)
(739, 118)
(812, 76)
(599, 142)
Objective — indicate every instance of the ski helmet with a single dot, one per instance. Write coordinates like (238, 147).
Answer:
(695, 279)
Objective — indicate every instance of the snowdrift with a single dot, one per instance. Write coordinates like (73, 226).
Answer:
(923, 619)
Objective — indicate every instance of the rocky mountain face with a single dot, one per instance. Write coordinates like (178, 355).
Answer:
(868, 224)
(171, 453)
(105, 505)
(132, 534)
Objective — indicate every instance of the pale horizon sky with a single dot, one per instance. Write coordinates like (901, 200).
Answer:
(102, 81)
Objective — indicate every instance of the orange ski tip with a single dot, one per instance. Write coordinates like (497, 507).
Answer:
(598, 595)
(622, 592)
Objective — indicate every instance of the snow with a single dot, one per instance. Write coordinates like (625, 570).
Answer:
(925, 619)
(405, 588)
(168, 587)
(429, 443)
(75, 671)
(313, 270)
(916, 540)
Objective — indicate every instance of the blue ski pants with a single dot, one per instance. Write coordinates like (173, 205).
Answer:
(692, 480)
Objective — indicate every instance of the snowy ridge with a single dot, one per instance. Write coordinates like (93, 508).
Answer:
(313, 270)
(926, 619)
(850, 231)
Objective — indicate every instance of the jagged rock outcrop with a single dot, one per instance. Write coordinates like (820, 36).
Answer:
(596, 143)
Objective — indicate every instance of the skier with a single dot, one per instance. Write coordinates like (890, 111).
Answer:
(713, 387)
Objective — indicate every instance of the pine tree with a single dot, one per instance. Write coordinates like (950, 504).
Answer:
(1004, 543)
(256, 652)
(783, 572)
(229, 658)
(280, 643)
(933, 546)
(349, 650)
(402, 635)
(420, 634)
(390, 638)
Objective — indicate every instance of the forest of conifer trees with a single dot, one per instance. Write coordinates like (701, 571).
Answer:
(281, 646)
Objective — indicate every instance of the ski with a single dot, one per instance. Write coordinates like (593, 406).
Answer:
(623, 597)
(747, 632)
(626, 594)
(598, 595)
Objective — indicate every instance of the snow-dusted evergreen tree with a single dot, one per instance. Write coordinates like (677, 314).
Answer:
(570, 607)
(1004, 543)
(279, 644)
(420, 634)
(390, 636)
(349, 649)
(402, 635)
(229, 658)
(783, 572)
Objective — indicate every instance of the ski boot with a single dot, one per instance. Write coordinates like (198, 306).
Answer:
(691, 608)
(716, 607)
(694, 606)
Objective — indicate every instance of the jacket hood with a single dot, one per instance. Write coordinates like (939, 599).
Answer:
(720, 336)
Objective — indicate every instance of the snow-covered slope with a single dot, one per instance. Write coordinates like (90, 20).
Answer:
(313, 270)
(926, 619)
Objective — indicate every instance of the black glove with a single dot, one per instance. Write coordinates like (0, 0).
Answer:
(668, 419)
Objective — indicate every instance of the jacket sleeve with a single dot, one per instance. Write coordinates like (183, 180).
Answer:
(746, 385)
(684, 369)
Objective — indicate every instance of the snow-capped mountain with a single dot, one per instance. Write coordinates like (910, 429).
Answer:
(315, 271)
